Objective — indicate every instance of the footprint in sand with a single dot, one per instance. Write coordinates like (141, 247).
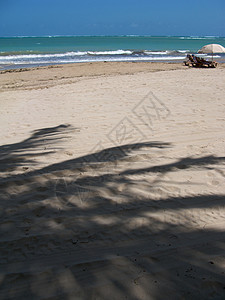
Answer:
(213, 181)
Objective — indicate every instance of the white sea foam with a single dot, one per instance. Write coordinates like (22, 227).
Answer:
(112, 52)
(183, 51)
(198, 37)
(214, 56)
(156, 52)
(33, 56)
(93, 59)
(89, 59)
(58, 55)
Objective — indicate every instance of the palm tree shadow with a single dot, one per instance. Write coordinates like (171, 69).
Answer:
(39, 144)
(86, 228)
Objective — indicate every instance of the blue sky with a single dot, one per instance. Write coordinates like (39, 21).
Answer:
(117, 17)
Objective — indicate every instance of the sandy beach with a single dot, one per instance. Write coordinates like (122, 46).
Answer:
(112, 182)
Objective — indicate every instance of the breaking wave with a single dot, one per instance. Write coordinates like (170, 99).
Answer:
(30, 58)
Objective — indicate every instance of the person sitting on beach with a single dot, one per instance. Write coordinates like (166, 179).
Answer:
(189, 60)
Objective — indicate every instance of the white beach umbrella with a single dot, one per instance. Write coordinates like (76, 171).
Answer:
(211, 49)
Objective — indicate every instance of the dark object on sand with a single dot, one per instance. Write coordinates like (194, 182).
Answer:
(199, 62)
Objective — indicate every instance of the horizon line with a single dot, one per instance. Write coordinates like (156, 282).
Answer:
(113, 35)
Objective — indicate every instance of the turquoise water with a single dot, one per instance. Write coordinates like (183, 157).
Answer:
(68, 49)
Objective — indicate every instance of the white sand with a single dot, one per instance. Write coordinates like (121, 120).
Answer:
(112, 182)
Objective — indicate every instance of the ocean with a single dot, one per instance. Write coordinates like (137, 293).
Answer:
(17, 52)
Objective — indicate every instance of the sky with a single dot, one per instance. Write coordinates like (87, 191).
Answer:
(107, 17)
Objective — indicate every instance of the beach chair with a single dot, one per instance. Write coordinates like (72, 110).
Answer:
(192, 61)
(206, 63)
(187, 62)
(199, 62)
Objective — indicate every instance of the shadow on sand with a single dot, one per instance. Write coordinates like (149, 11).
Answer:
(104, 226)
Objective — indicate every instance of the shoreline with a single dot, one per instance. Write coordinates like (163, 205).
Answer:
(46, 76)
(53, 75)
(12, 67)
(34, 66)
